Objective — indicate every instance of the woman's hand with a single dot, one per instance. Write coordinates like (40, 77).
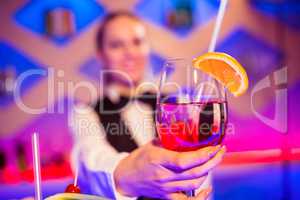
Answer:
(203, 195)
(156, 172)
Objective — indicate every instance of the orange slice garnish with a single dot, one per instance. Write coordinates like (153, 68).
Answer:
(224, 68)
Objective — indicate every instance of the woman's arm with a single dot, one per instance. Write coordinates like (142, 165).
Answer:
(92, 154)
(153, 171)
(150, 170)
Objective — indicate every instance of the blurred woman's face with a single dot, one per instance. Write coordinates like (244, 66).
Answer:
(125, 48)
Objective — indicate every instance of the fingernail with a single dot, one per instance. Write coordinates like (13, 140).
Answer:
(212, 151)
(208, 191)
(224, 148)
(216, 148)
(223, 151)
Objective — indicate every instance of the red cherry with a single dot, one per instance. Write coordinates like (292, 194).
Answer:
(72, 189)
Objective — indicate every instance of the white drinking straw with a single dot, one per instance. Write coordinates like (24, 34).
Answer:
(76, 175)
(213, 42)
(36, 166)
(220, 16)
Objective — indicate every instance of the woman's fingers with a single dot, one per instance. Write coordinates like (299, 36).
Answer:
(203, 195)
(186, 185)
(201, 170)
(193, 173)
(180, 161)
(176, 196)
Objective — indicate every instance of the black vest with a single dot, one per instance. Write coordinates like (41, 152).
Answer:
(117, 134)
(110, 117)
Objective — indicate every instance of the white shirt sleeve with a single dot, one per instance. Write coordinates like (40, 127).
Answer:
(94, 157)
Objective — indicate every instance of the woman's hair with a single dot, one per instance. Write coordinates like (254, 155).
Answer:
(108, 18)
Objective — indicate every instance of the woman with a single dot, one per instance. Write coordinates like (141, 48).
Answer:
(117, 153)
